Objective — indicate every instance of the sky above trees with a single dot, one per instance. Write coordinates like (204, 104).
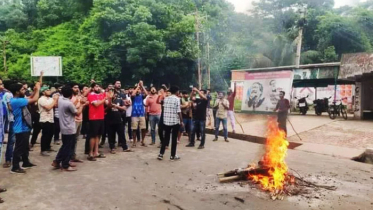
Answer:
(244, 5)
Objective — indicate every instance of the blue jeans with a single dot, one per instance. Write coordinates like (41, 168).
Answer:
(201, 125)
(154, 121)
(217, 125)
(10, 145)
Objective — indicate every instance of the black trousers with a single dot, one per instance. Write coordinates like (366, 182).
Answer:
(66, 151)
(281, 119)
(129, 122)
(21, 149)
(116, 129)
(103, 137)
(147, 122)
(46, 135)
(161, 131)
(168, 130)
(214, 111)
(36, 127)
(56, 129)
(87, 141)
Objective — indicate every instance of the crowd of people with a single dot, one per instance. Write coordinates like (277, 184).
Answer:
(65, 113)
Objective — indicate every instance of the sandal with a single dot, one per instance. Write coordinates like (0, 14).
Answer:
(100, 156)
(2, 190)
(91, 158)
(133, 145)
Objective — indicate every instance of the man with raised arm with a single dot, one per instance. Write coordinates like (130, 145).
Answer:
(22, 124)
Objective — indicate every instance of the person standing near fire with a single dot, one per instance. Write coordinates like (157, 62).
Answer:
(282, 109)
(231, 97)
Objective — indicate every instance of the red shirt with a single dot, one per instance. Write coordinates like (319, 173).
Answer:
(153, 107)
(96, 112)
(231, 100)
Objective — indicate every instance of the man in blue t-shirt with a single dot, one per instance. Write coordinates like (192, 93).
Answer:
(138, 113)
(21, 129)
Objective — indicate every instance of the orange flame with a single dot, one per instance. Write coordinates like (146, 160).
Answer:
(274, 159)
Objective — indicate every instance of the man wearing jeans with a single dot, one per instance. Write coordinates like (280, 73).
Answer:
(68, 112)
(222, 105)
(78, 102)
(199, 107)
(21, 127)
(172, 120)
(154, 111)
(11, 136)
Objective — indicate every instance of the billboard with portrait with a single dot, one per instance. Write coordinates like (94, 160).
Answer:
(262, 89)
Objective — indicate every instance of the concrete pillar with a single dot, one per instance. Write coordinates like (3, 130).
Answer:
(358, 108)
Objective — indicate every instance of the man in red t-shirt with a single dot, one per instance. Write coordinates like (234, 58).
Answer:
(96, 115)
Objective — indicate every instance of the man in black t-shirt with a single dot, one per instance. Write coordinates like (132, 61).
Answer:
(199, 107)
(114, 108)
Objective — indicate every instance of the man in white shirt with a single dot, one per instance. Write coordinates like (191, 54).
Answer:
(222, 106)
(128, 104)
(46, 105)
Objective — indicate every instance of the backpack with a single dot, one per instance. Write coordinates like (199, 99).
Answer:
(26, 117)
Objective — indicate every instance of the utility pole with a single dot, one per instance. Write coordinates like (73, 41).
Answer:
(301, 24)
(208, 65)
(199, 76)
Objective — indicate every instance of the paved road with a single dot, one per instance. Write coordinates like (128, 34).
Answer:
(139, 181)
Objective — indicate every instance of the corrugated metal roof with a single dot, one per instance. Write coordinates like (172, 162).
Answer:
(319, 65)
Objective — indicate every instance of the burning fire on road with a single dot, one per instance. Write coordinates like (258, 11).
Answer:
(272, 174)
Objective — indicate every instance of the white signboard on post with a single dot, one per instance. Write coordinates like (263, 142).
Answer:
(50, 65)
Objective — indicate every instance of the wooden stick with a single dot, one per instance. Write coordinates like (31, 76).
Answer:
(229, 179)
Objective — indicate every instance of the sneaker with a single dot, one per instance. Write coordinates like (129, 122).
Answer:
(26, 166)
(18, 171)
(57, 142)
(44, 154)
(7, 164)
(216, 139)
(226, 140)
(201, 147)
(174, 158)
(189, 145)
(160, 157)
(112, 151)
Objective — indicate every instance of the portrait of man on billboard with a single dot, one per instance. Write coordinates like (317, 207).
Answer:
(255, 96)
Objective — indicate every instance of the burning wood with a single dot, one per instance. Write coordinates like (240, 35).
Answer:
(271, 173)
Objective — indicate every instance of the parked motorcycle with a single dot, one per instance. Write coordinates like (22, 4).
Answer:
(321, 105)
(302, 105)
